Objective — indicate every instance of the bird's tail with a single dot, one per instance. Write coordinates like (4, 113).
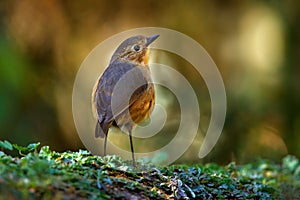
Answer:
(101, 129)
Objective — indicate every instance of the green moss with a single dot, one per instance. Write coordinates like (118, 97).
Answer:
(42, 173)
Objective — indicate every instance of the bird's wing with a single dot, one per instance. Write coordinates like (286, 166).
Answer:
(131, 85)
(120, 86)
(94, 109)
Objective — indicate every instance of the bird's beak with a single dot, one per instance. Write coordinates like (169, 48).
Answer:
(151, 38)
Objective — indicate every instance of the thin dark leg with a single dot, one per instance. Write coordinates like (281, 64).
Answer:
(105, 141)
(131, 146)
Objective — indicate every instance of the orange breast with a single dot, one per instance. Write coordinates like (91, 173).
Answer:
(143, 107)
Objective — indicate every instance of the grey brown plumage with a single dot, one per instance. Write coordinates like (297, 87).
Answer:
(131, 57)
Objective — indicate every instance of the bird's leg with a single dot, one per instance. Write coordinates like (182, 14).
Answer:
(131, 146)
(105, 141)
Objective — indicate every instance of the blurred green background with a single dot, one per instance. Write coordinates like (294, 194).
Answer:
(255, 44)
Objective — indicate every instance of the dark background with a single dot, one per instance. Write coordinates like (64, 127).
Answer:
(255, 44)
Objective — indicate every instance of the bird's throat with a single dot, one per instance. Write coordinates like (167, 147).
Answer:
(146, 57)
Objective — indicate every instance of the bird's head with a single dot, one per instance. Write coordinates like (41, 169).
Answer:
(134, 49)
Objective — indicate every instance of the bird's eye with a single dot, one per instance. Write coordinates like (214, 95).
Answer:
(137, 48)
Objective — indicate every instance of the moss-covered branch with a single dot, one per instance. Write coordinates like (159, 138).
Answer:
(42, 173)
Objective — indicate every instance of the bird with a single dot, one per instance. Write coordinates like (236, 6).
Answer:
(131, 55)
